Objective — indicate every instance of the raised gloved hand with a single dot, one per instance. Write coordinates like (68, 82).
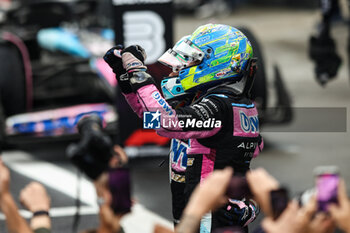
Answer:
(114, 60)
(133, 58)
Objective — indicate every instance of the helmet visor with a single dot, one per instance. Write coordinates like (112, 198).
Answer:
(189, 50)
(182, 55)
(173, 59)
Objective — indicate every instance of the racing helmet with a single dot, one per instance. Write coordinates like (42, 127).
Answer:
(213, 54)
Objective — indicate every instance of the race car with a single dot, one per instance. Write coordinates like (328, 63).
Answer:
(53, 74)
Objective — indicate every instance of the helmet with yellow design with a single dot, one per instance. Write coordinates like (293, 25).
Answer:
(214, 53)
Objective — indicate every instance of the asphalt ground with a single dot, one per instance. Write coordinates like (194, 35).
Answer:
(48, 165)
(289, 155)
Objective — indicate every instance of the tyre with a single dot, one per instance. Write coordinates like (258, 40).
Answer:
(12, 80)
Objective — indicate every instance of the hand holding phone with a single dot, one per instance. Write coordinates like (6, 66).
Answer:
(279, 200)
(327, 181)
(119, 185)
(238, 188)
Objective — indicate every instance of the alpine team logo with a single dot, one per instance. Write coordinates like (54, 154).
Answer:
(249, 123)
(151, 120)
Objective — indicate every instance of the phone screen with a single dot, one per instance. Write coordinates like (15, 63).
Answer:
(119, 185)
(327, 190)
(279, 201)
(238, 188)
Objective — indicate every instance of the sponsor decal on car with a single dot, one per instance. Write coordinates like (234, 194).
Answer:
(58, 121)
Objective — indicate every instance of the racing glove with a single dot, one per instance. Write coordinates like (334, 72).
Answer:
(238, 213)
(133, 58)
(114, 60)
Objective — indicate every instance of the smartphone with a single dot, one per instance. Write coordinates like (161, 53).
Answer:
(279, 200)
(119, 185)
(238, 188)
(327, 181)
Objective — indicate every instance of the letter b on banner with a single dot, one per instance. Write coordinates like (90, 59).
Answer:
(144, 22)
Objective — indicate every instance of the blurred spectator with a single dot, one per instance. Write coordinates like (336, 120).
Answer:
(297, 219)
(261, 184)
(109, 220)
(104, 163)
(15, 223)
(294, 219)
(161, 229)
(341, 213)
(120, 158)
(207, 196)
(34, 197)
